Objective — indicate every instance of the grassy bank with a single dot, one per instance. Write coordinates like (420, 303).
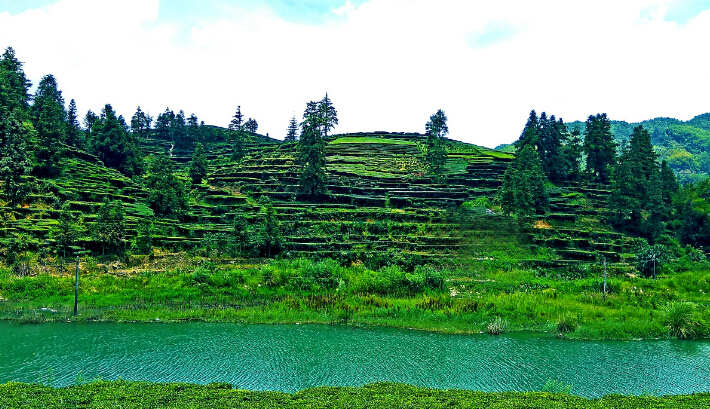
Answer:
(148, 395)
(482, 296)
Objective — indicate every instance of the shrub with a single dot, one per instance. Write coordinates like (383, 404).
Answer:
(498, 326)
(681, 319)
(555, 386)
(567, 323)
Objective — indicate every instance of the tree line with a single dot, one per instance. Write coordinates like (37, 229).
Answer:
(645, 197)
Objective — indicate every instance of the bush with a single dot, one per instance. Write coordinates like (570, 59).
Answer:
(681, 319)
(319, 275)
(567, 323)
(498, 326)
(555, 386)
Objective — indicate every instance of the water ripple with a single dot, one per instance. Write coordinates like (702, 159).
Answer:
(290, 358)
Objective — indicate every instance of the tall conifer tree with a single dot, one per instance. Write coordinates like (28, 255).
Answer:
(436, 128)
(49, 120)
(328, 114)
(311, 152)
(600, 147)
(292, 131)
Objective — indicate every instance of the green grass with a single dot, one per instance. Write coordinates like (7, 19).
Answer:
(354, 139)
(127, 394)
(463, 299)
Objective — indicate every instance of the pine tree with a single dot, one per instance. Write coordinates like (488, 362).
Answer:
(194, 133)
(436, 128)
(178, 131)
(555, 165)
(544, 136)
(237, 121)
(163, 123)
(198, 165)
(292, 132)
(523, 191)
(49, 120)
(74, 135)
(15, 160)
(669, 185)
(114, 145)
(636, 201)
(600, 148)
(531, 133)
(140, 123)
(90, 119)
(311, 153)
(572, 153)
(328, 114)
(14, 85)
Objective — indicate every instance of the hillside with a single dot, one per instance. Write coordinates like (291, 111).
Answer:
(382, 206)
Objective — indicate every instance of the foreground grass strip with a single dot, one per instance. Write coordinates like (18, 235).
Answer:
(127, 394)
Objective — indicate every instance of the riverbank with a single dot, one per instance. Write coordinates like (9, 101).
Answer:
(127, 394)
(485, 296)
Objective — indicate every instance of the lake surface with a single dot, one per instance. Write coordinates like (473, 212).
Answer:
(294, 357)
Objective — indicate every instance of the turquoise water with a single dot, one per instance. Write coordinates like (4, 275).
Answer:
(293, 357)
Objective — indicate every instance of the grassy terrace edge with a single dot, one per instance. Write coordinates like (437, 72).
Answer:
(305, 291)
(130, 394)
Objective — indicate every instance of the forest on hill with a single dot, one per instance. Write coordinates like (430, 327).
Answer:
(208, 216)
(164, 167)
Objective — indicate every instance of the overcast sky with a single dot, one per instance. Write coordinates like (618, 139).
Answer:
(386, 64)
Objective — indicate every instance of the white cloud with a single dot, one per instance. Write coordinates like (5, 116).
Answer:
(387, 64)
(347, 8)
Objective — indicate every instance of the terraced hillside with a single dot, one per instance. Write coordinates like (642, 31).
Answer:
(382, 204)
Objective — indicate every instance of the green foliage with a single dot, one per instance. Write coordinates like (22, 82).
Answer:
(15, 162)
(14, 85)
(69, 229)
(650, 259)
(600, 148)
(530, 135)
(498, 326)
(144, 239)
(523, 191)
(292, 131)
(168, 194)
(237, 123)
(130, 394)
(111, 142)
(269, 238)
(141, 123)
(436, 129)
(328, 114)
(311, 152)
(692, 221)
(49, 120)
(681, 319)
(557, 387)
(18, 255)
(109, 229)
(637, 200)
(567, 322)
(198, 164)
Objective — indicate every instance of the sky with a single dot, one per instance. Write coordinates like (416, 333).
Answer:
(387, 65)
